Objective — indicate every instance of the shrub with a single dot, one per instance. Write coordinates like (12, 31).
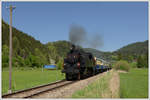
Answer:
(5, 65)
(122, 65)
(133, 64)
(59, 64)
(142, 61)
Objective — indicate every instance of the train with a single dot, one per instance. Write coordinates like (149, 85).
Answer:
(80, 64)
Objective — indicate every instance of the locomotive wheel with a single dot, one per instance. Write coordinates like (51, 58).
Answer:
(75, 76)
(81, 75)
(78, 76)
(68, 77)
(93, 73)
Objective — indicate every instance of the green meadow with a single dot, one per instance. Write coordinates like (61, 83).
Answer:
(134, 84)
(27, 78)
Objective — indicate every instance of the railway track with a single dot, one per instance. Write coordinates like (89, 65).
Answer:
(31, 92)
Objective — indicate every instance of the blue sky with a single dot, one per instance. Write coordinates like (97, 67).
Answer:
(119, 23)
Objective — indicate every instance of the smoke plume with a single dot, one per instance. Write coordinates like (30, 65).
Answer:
(79, 36)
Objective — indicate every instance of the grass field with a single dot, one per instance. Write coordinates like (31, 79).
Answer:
(22, 79)
(96, 89)
(134, 84)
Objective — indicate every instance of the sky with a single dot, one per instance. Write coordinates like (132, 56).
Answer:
(118, 23)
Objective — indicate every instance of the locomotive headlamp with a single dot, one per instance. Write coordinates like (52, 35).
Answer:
(63, 64)
(78, 64)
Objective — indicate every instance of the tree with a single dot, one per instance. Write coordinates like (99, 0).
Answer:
(114, 57)
(27, 62)
(59, 64)
(130, 58)
(35, 61)
(20, 61)
(22, 53)
(5, 56)
(140, 62)
(145, 57)
(40, 57)
(15, 46)
(119, 56)
(52, 52)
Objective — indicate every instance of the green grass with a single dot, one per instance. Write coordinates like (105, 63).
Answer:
(134, 84)
(94, 90)
(25, 78)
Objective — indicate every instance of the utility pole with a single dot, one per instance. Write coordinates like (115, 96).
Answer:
(10, 48)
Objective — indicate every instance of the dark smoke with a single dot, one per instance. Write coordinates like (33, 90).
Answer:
(79, 36)
(96, 41)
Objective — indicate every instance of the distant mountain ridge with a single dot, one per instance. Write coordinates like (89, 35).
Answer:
(134, 49)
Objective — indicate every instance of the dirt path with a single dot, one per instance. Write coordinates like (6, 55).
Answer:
(113, 86)
(121, 71)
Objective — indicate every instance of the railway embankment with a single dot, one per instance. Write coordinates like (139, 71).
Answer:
(105, 86)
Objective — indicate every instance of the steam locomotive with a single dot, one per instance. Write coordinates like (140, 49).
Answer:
(79, 64)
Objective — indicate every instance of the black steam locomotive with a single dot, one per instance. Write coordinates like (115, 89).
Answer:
(78, 64)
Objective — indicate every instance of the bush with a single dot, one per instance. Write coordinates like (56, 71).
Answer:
(133, 64)
(142, 61)
(5, 65)
(122, 65)
(59, 64)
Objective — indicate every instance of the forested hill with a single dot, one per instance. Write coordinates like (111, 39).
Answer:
(23, 44)
(137, 48)
(99, 54)
(29, 52)
(134, 52)
(130, 51)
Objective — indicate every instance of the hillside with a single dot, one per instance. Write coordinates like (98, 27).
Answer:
(28, 51)
(133, 50)
(61, 47)
(99, 54)
(137, 48)
(21, 41)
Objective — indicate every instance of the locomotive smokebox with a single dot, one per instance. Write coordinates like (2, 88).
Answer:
(72, 48)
